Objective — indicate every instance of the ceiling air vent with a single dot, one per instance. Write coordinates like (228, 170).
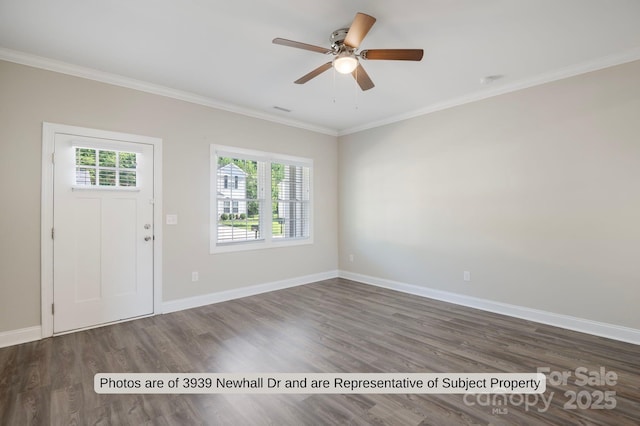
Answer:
(281, 109)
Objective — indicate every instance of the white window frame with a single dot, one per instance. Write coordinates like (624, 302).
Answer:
(266, 241)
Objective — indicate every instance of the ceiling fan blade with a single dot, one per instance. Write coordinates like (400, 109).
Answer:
(363, 79)
(359, 28)
(393, 54)
(305, 46)
(314, 73)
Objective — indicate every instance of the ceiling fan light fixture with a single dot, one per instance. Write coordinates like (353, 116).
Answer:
(345, 63)
(345, 42)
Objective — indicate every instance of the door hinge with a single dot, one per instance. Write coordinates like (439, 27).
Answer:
(52, 309)
(53, 158)
(52, 233)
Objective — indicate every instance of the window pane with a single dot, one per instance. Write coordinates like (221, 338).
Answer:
(107, 158)
(290, 193)
(128, 160)
(85, 176)
(107, 177)
(85, 157)
(234, 227)
(238, 203)
(237, 200)
(293, 220)
(277, 223)
(128, 178)
(243, 176)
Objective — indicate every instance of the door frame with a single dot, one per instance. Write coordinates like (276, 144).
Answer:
(49, 131)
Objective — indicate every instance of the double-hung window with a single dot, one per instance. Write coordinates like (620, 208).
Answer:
(259, 199)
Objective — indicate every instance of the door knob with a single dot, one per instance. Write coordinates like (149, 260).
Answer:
(147, 226)
(147, 238)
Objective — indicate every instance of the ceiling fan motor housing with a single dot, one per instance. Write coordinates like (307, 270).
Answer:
(337, 39)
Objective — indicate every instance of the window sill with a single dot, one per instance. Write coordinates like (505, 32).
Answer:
(259, 245)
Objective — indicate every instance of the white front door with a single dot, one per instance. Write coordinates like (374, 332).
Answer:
(102, 231)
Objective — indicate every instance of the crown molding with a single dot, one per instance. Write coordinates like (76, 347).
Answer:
(560, 74)
(117, 80)
(130, 83)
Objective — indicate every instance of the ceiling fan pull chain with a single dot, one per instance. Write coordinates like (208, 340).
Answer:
(355, 90)
(334, 85)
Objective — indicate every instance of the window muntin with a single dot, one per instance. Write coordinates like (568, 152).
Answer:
(106, 168)
(260, 199)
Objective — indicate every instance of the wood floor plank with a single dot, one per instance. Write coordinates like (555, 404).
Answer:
(332, 326)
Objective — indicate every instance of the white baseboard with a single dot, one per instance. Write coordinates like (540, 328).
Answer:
(23, 335)
(610, 331)
(31, 334)
(222, 296)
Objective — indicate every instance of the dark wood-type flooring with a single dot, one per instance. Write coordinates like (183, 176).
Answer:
(332, 326)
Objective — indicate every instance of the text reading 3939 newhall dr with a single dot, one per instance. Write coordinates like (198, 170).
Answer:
(319, 383)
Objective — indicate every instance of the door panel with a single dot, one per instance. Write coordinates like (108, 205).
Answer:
(103, 245)
(86, 248)
(119, 274)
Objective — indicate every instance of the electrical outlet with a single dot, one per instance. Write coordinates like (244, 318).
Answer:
(194, 276)
(466, 276)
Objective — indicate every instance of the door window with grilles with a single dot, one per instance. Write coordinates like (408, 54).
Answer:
(103, 168)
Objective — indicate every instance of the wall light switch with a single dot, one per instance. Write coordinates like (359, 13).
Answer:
(172, 219)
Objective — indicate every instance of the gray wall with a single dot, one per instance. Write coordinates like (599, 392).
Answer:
(536, 193)
(29, 96)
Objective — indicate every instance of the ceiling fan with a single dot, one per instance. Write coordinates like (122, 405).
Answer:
(344, 46)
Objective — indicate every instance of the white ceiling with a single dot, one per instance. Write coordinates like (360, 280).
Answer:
(221, 51)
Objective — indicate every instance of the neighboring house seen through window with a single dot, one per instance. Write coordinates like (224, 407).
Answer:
(268, 204)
